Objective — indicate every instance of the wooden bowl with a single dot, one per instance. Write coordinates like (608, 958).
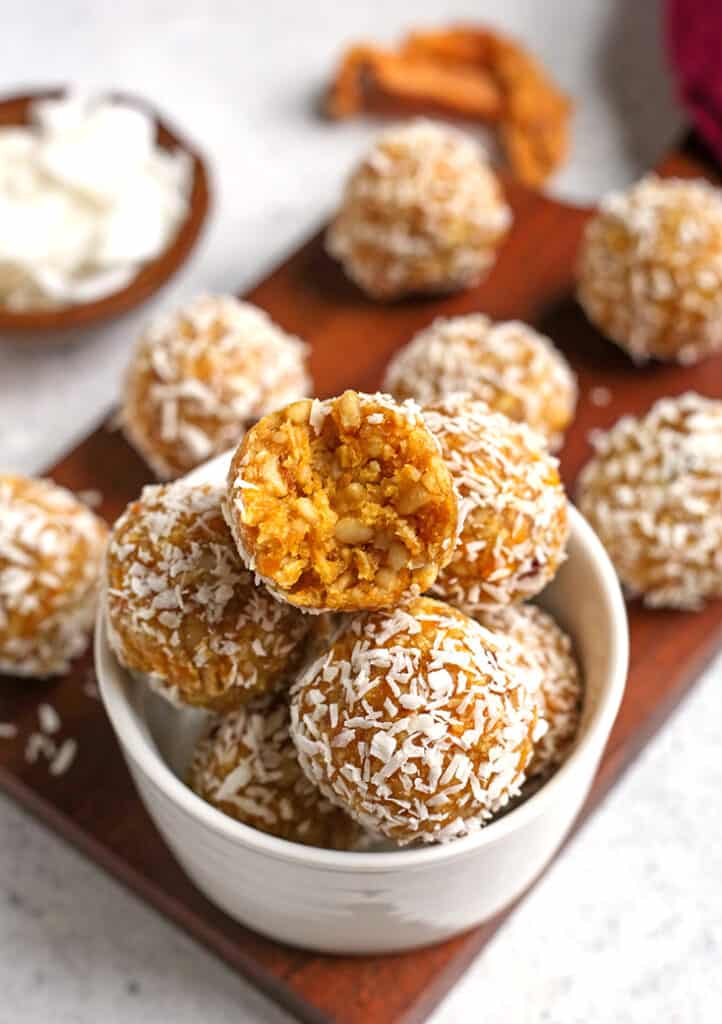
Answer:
(15, 110)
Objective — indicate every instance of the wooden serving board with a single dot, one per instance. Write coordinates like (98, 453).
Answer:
(94, 804)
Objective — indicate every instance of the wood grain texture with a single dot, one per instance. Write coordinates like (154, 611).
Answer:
(15, 110)
(95, 806)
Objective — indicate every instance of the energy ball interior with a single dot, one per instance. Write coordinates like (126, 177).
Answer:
(344, 504)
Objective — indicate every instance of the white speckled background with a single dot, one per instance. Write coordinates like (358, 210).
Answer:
(627, 926)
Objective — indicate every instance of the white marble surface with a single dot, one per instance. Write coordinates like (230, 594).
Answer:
(627, 926)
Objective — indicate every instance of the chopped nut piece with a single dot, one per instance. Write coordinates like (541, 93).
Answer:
(352, 531)
(300, 412)
(349, 410)
(398, 555)
(386, 578)
(354, 494)
(307, 510)
(412, 499)
(272, 476)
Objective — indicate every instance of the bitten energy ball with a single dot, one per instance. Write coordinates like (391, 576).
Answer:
(415, 722)
(248, 768)
(650, 274)
(199, 377)
(344, 504)
(512, 506)
(545, 654)
(183, 609)
(653, 493)
(510, 366)
(422, 213)
(51, 553)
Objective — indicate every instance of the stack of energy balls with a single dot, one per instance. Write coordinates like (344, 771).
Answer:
(349, 604)
(295, 602)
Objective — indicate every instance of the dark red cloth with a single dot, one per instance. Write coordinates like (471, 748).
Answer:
(694, 44)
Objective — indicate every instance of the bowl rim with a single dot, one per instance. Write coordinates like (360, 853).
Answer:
(152, 275)
(148, 761)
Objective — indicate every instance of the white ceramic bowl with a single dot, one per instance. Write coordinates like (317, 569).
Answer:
(381, 901)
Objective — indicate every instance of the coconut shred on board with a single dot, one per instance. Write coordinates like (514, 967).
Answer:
(86, 197)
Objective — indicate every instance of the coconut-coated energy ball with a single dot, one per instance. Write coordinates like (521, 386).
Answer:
(342, 505)
(198, 377)
(653, 493)
(650, 273)
(510, 366)
(416, 722)
(183, 610)
(545, 653)
(51, 555)
(423, 212)
(513, 507)
(248, 768)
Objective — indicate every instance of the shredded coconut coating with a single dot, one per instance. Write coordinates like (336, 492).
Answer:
(510, 366)
(512, 506)
(552, 675)
(51, 555)
(248, 768)
(342, 505)
(650, 273)
(415, 722)
(184, 611)
(197, 379)
(653, 493)
(423, 212)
